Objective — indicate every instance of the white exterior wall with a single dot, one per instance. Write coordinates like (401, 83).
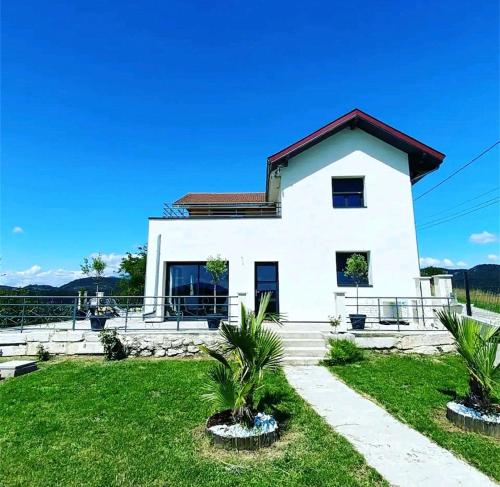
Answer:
(305, 239)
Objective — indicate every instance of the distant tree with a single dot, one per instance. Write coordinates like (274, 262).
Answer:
(94, 268)
(432, 271)
(133, 272)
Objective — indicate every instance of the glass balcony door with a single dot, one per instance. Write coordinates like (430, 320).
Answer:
(266, 281)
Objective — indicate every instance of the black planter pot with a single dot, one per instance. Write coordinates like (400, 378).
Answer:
(97, 322)
(357, 321)
(214, 321)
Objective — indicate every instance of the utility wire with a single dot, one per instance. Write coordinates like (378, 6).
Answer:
(445, 220)
(461, 168)
(464, 202)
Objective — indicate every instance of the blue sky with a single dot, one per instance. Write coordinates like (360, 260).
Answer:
(111, 108)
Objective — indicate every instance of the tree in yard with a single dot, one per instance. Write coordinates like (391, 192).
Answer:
(94, 268)
(356, 268)
(477, 343)
(217, 268)
(133, 272)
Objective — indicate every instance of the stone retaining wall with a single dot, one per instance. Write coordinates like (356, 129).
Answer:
(87, 343)
(424, 343)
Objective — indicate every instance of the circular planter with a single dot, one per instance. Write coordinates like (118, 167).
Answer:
(357, 321)
(97, 322)
(471, 420)
(237, 443)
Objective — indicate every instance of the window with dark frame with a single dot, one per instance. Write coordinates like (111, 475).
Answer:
(341, 260)
(348, 192)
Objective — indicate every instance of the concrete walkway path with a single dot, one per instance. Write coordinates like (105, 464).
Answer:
(400, 454)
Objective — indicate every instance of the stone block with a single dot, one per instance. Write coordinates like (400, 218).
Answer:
(177, 343)
(85, 348)
(38, 336)
(12, 350)
(67, 336)
(192, 349)
(172, 352)
(14, 368)
(12, 338)
(431, 339)
(160, 352)
(376, 342)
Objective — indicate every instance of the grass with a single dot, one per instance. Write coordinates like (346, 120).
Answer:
(139, 422)
(480, 299)
(415, 390)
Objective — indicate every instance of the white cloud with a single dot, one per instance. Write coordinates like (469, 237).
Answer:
(432, 261)
(18, 230)
(493, 257)
(55, 277)
(483, 237)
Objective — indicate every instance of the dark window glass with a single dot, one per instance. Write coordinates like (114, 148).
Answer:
(266, 272)
(341, 260)
(188, 281)
(266, 281)
(348, 192)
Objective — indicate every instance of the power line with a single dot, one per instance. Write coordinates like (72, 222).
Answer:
(465, 201)
(445, 220)
(458, 170)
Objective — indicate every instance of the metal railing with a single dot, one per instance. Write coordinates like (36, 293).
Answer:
(168, 313)
(402, 313)
(222, 210)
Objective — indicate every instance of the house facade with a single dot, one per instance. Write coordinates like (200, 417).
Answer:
(346, 188)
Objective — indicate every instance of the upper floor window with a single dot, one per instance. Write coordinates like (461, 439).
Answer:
(348, 192)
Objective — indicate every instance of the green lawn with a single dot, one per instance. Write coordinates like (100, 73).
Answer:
(415, 390)
(140, 423)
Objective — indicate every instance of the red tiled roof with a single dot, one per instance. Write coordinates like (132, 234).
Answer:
(362, 119)
(220, 198)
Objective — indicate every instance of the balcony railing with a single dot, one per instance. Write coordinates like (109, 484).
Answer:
(222, 210)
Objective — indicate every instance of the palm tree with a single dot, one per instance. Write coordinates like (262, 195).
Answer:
(477, 343)
(245, 353)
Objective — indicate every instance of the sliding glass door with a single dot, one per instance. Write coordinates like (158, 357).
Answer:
(191, 290)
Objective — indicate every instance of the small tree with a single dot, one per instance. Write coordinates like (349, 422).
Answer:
(356, 268)
(217, 268)
(94, 268)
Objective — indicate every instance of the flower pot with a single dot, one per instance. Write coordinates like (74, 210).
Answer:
(97, 322)
(213, 321)
(357, 321)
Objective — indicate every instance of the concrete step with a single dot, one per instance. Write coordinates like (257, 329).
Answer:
(301, 361)
(303, 342)
(305, 352)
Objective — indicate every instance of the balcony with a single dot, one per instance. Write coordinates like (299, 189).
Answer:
(222, 210)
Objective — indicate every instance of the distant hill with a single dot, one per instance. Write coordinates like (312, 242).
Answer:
(107, 284)
(484, 276)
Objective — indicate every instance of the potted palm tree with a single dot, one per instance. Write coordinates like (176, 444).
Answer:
(217, 268)
(244, 354)
(477, 343)
(357, 269)
(95, 268)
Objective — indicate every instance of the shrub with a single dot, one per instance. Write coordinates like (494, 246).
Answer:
(343, 352)
(477, 343)
(42, 353)
(113, 347)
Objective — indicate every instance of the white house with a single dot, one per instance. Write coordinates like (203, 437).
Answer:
(344, 188)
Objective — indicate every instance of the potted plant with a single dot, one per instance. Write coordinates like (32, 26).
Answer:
(357, 269)
(217, 268)
(95, 268)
